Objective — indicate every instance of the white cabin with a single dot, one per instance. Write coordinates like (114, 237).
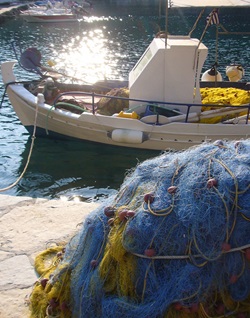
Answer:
(168, 71)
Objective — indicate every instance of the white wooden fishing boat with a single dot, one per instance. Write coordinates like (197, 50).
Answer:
(53, 14)
(160, 114)
(49, 17)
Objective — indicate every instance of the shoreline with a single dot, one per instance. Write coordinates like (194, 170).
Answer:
(27, 225)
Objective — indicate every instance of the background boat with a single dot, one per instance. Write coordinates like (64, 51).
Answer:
(50, 17)
(55, 13)
(110, 40)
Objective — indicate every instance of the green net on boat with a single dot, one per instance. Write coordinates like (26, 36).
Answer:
(173, 243)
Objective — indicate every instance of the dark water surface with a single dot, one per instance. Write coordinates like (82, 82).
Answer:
(105, 45)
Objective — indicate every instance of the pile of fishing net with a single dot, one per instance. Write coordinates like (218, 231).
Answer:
(110, 105)
(223, 96)
(173, 242)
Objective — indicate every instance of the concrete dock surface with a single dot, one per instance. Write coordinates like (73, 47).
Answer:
(27, 226)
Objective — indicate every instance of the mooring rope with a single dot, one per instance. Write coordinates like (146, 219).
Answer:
(29, 155)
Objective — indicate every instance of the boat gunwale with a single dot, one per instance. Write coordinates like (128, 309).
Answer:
(30, 98)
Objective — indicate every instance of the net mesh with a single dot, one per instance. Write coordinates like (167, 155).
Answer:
(173, 242)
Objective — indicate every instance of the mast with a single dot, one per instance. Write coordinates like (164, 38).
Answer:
(166, 24)
(159, 8)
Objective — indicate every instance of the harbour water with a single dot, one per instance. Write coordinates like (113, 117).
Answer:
(105, 45)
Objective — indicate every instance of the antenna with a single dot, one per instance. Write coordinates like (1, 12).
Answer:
(166, 23)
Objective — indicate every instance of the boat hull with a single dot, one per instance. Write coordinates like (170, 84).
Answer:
(39, 18)
(114, 131)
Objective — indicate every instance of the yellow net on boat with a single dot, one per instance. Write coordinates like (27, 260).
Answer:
(223, 96)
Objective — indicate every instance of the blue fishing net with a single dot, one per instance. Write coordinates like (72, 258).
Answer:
(174, 240)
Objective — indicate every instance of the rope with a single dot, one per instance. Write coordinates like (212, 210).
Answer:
(171, 257)
(196, 22)
(3, 96)
(10, 83)
(29, 155)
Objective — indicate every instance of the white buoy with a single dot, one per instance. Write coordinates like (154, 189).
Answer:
(211, 75)
(127, 136)
(235, 72)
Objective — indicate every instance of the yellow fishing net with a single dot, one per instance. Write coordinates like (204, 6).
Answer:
(51, 297)
(223, 96)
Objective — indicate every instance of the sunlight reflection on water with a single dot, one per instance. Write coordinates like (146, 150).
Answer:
(101, 48)
(86, 57)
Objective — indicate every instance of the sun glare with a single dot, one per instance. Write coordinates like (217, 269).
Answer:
(87, 58)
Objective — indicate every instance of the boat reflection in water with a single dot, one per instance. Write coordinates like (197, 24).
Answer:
(76, 170)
